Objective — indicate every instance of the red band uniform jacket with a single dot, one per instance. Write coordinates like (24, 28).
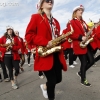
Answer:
(97, 31)
(67, 44)
(27, 47)
(94, 43)
(22, 47)
(15, 48)
(76, 36)
(39, 33)
(0, 52)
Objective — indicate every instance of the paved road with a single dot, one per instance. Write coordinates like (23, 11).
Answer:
(69, 89)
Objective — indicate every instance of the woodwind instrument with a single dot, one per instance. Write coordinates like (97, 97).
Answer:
(45, 51)
(89, 39)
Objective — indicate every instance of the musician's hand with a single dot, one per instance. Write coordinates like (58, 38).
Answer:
(49, 44)
(10, 47)
(7, 49)
(83, 38)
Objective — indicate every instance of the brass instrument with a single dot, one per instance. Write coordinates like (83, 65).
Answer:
(8, 46)
(45, 51)
(70, 40)
(4, 45)
(89, 39)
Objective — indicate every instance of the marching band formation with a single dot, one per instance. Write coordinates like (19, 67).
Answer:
(50, 49)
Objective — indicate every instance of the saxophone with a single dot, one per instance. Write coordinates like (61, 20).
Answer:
(56, 47)
(8, 48)
(83, 44)
(8, 45)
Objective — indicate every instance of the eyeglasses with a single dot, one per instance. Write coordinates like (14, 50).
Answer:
(51, 1)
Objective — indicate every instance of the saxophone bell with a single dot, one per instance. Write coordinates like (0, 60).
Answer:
(49, 51)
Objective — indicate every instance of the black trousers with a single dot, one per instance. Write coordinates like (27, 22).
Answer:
(10, 63)
(97, 58)
(94, 51)
(87, 60)
(53, 76)
(22, 59)
(4, 69)
(66, 53)
(34, 56)
(40, 73)
(28, 57)
(72, 57)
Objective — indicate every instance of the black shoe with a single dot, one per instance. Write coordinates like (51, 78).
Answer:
(79, 74)
(85, 83)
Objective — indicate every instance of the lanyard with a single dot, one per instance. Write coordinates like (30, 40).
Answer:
(52, 27)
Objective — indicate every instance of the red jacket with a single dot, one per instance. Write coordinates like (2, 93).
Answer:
(98, 36)
(15, 47)
(0, 53)
(1, 50)
(39, 33)
(94, 43)
(21, 45)
(27, 48)
(75, 36)
(66, 44)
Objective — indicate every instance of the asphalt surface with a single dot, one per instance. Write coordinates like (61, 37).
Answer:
(69, 89)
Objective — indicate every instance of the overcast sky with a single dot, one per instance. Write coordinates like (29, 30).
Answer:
(17, 13)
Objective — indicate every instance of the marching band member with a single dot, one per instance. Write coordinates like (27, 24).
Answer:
(97, 31)
(85, 54)
(0, 73)
(6, 79)
(10, 47)
(27, 52)
(68, 46)
(41, 29)
(93, 43)
(21, 51)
